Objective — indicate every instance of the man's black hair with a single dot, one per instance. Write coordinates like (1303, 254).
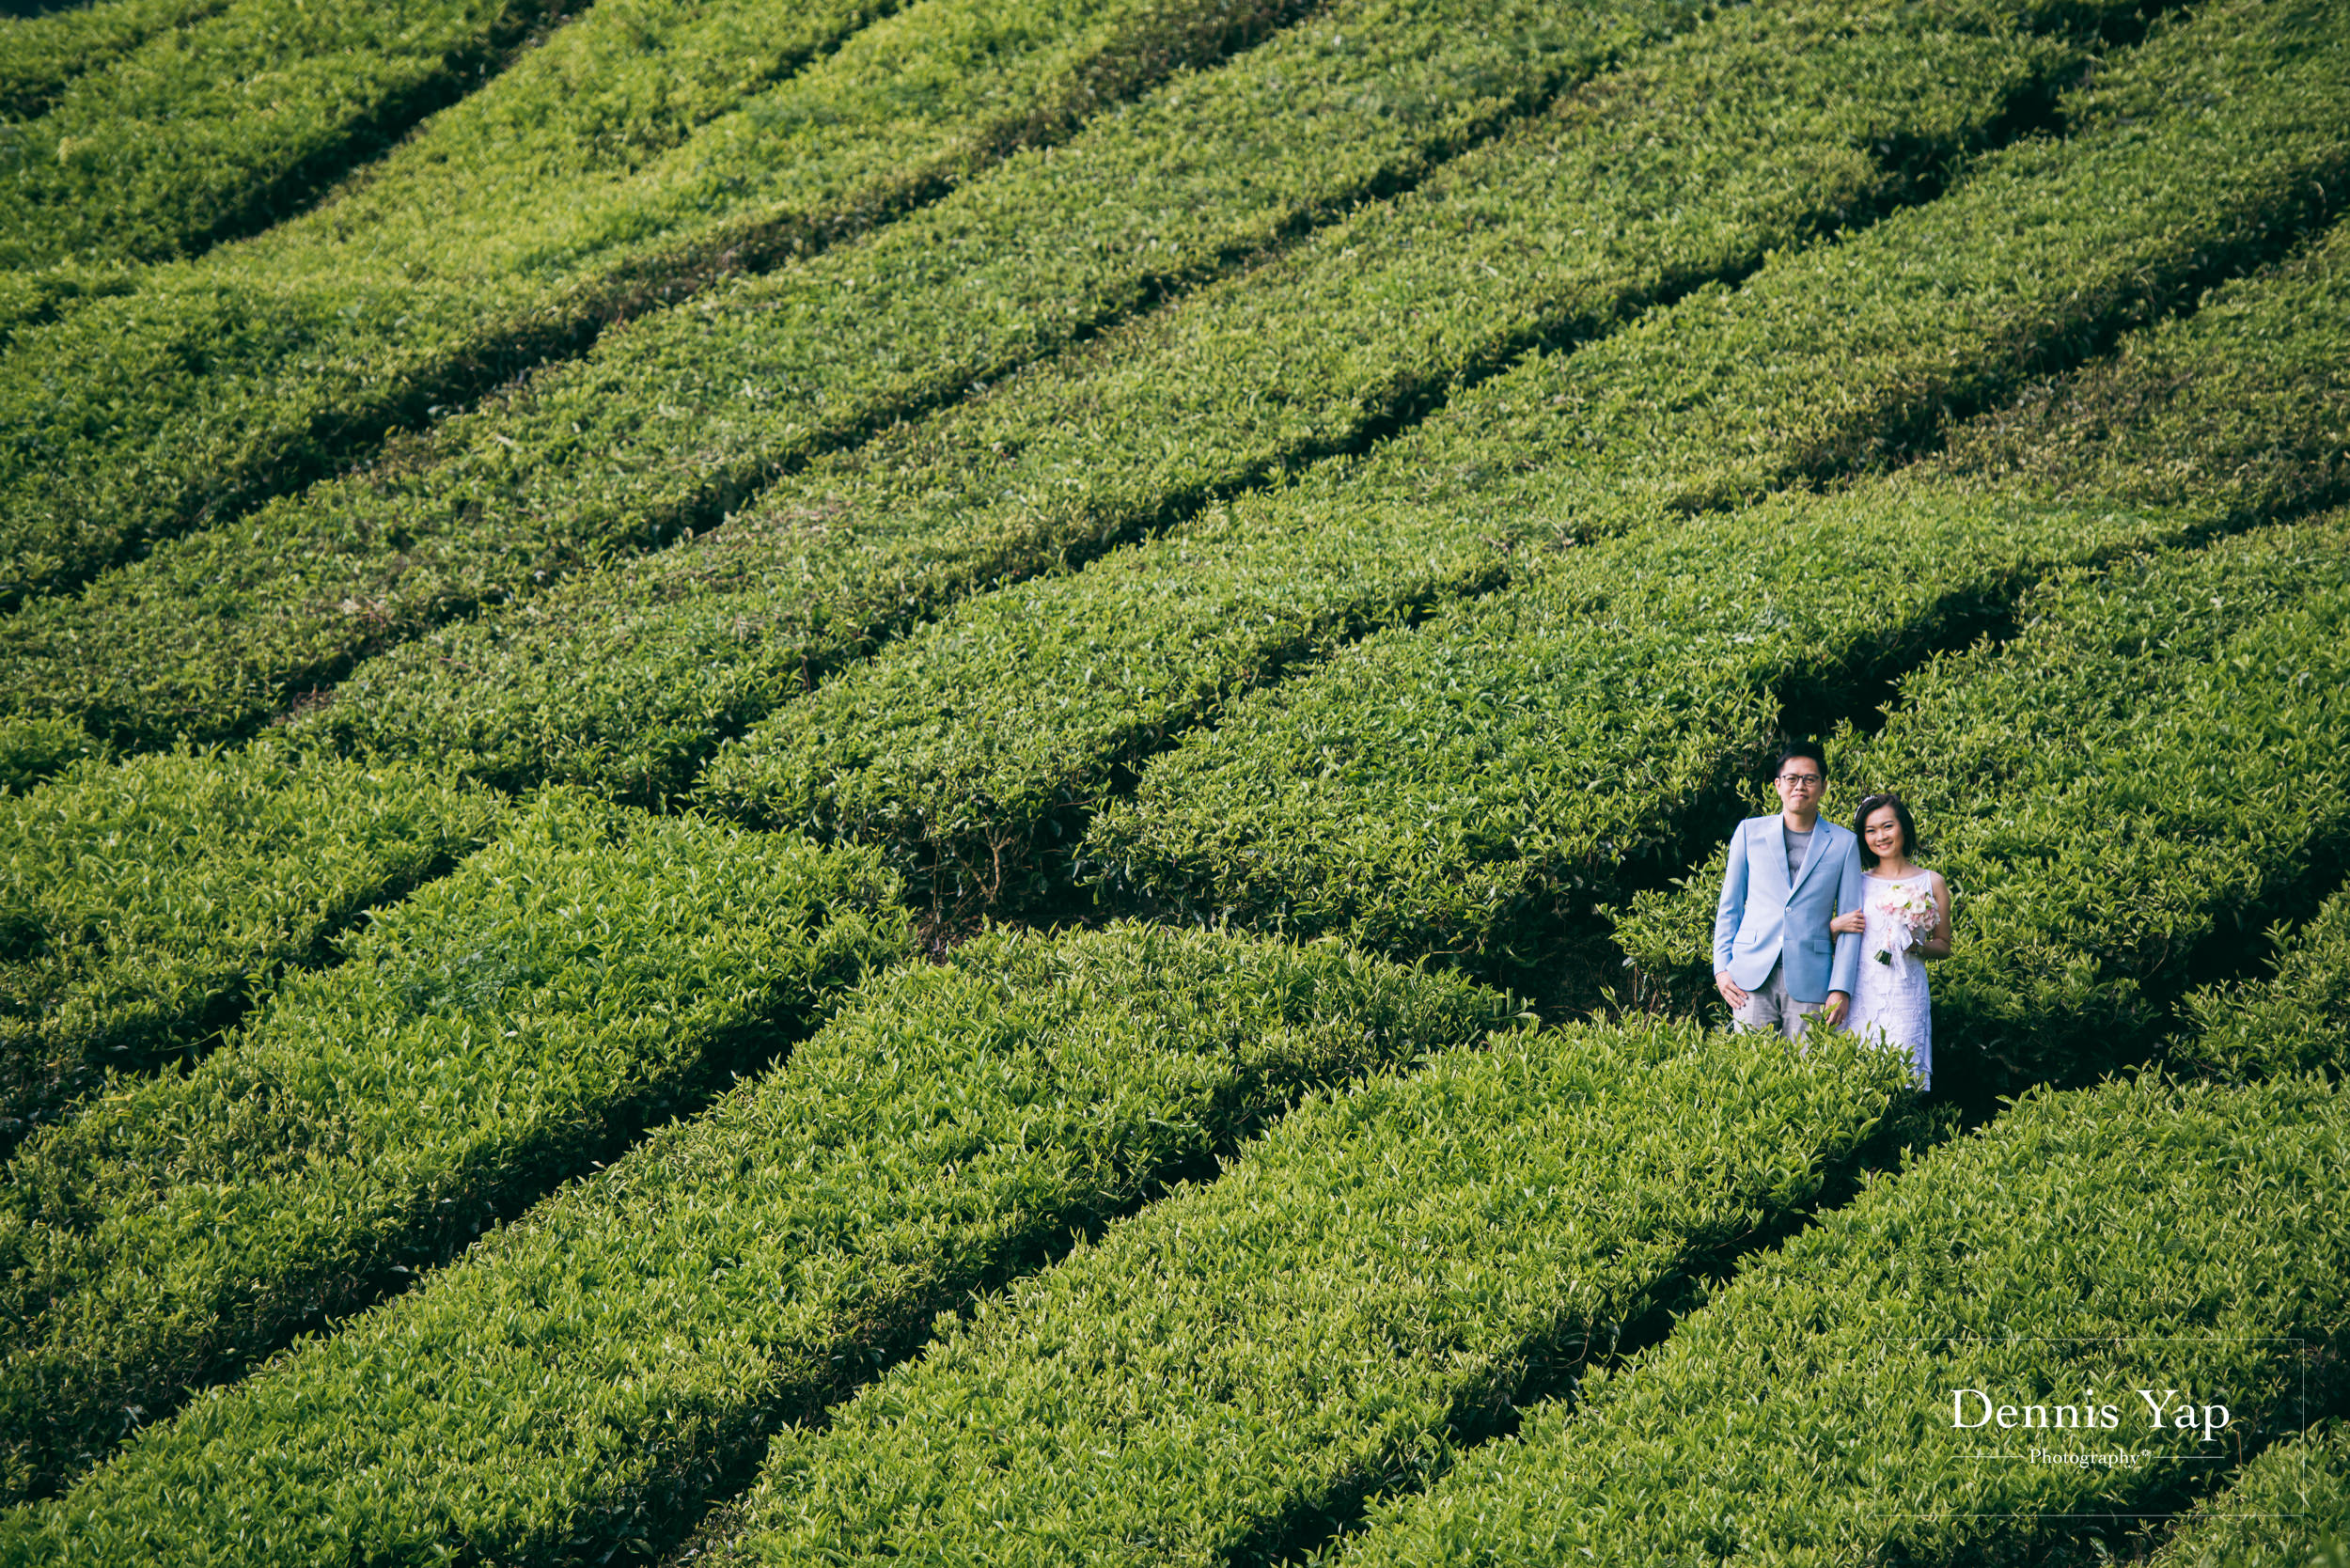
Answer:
(1800, 748)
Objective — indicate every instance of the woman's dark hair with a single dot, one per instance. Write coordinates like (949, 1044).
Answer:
(1869, 807)
(1800, 748)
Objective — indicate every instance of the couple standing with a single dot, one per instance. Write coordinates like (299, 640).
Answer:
(1819, 921)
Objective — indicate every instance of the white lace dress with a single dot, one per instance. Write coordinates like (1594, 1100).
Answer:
(1890, 999)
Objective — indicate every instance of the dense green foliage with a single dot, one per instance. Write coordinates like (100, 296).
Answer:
(584, 1378)
(231, 122)
(144, 905)
(41, 55)
(2290, 1508)
(592, 970)
(1371, 1285)
(638, 154)
(964, 745)
(1689, 163)
(1373, 469)
(1477, 784)
(670, 423)
(2240, 408)
(479, 196)
(33, 749)
(2159, 757)
(2196, 1238)
(2295, 1020)
(1570, 749)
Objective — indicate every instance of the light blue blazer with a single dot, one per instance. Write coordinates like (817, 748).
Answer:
(1761, 920)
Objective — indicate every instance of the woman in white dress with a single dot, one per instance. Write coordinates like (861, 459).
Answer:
(1905, 919)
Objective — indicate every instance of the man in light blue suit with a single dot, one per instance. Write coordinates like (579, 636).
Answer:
(1775, 960)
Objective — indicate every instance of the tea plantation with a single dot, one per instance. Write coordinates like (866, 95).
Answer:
(943, 781)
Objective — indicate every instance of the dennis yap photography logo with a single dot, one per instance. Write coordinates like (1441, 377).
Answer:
(2077, 1427)
(2164, 1411)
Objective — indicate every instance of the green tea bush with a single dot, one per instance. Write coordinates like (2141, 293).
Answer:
(2157, 758)
(2297, 1020)
(1537, 766)
(1477, 785)
(583, 1379)
(1371, 1285)
(2289, 1508)
(964, 747)
(29, 298)
(634, 157)
(40, 55)
(227, 123)
(145, 903)
(592, 970)
(2084, 1242)
(1690, 162)
(672, 423)
(464, 221)
(33, 749)
(2241, 406)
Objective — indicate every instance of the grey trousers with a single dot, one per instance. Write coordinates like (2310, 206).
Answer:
(1769, 1006)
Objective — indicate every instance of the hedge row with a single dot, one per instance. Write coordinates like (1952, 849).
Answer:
(673, 421)
(584, 1379)
(2139, 1234)
(592, 970)
(226, 125)
(2289, 1508)
(144, 905)
(1476, 785)
(33, 749)
(635, 156)
(40, 55)
(1227, 1375)
(2295, 1021)
(1144, 1394)
(471, 209)
(2241, 407)
(1689, 162)
(2119, 796)
(965, 747)
(668, 412)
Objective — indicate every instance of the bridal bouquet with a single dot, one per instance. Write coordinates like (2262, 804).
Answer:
(1911, 910)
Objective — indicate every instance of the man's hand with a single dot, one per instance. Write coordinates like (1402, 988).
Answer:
(1832, 1013)
(1732, 992)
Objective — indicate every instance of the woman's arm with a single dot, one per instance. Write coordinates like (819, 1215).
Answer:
(1938, 942)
